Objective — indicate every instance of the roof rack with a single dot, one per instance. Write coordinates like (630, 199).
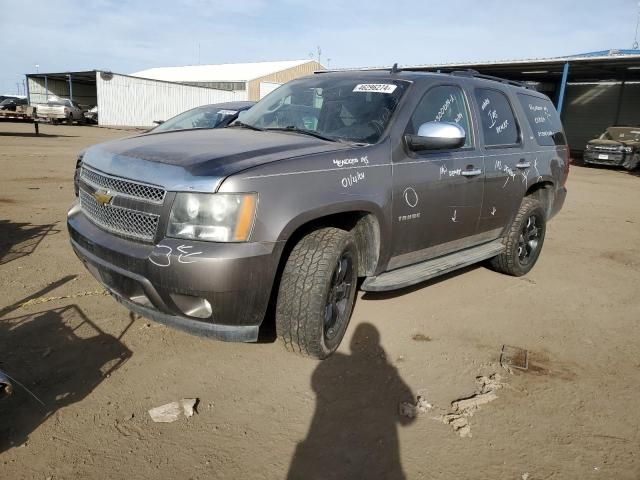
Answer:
(476, 74)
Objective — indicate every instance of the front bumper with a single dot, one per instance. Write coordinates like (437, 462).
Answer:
(160, 281)
(598, 158)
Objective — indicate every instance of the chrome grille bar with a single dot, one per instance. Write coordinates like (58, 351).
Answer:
(127, 188)
(123, 221)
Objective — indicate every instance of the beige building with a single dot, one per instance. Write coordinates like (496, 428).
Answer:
(248, 81)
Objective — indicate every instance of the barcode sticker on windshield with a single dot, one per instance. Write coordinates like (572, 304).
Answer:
(375, 87)
(227, 112)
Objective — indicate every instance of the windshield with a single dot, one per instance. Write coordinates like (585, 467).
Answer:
(629, 134)
(201, 117)
(335, 108)
(7, 101)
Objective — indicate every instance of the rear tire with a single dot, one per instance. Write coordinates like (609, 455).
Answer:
(70, 119)
(523, 241)
(631, 163)
(317, 292)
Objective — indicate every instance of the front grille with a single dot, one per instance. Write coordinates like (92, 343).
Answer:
(605, 149)
(127, 188)
(122, 221)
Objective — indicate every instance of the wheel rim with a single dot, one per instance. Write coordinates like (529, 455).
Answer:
(336, 308)
(529, 239)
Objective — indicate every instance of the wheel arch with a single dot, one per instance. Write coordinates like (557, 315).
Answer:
(363, 223)
(544, 192)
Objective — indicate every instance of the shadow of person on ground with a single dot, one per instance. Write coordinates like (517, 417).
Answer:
(18, 240)
(59, 355)
(353, 434)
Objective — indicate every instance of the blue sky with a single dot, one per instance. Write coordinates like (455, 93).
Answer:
(129, 35)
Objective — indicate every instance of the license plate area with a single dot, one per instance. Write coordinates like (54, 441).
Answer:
(603, 156)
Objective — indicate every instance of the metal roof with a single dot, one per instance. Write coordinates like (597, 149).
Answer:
(595, 66)
(86, 76)
(228, 72)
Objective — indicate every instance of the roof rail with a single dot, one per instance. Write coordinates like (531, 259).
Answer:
(476, 74)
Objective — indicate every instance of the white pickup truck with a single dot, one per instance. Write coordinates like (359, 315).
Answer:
(61, 109)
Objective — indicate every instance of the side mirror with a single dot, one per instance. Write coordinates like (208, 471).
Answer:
(437, 136)
(158, 122)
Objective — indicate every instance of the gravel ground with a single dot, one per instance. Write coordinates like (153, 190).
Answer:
(263, 413)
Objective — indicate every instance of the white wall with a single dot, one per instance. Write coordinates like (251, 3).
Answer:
(137, 102)
(267, 87)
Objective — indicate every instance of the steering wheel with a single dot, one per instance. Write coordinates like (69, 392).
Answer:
(289, 117)
(377, 126)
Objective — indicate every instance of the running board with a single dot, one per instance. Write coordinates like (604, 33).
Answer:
(419, 272)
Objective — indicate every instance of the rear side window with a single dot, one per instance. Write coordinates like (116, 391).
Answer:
(544, 120)
(497, 118)
(445, 103)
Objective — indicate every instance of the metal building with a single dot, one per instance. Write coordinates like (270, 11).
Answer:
(123, 100)
(251, 81)
(592, 91)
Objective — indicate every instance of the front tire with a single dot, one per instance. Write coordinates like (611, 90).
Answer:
(523, 240)
(317, 292)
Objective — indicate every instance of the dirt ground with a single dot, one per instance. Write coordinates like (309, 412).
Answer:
(263, 412)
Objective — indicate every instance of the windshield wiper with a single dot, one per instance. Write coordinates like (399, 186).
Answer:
(245, 125)
(304, 131)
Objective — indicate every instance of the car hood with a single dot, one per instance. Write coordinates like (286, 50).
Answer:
(614, 143)
(198, 160)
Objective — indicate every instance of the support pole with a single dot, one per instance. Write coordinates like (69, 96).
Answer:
(563, 85)
(26, 87)
(46, 89)
(70, 88)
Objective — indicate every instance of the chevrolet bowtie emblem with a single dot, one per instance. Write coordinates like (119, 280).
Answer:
(102, 197)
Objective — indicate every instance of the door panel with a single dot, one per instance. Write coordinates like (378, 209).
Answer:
(506, 165)
(437, 196)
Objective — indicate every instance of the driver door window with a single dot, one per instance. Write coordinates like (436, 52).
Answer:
(445, 103)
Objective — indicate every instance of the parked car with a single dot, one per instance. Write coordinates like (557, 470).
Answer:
(619, 146)
(91, 115)
(11, 104)
(217, 115)
(393, 177)
(4, 97)
(61, 109)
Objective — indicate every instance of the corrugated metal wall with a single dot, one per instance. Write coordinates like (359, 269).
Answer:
(282, 77)
(589, 108)
(82, 93)
(137, 102)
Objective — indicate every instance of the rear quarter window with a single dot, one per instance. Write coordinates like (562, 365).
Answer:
(543, 119)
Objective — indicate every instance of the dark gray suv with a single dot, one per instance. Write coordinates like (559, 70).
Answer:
(393, 177)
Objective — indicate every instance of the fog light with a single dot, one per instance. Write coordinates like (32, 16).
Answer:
(192, 306)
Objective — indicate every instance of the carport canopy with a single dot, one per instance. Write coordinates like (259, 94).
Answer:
(552, 74)
(86, 78)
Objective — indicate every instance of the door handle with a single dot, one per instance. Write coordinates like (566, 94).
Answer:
(471, 173)
(523, 164)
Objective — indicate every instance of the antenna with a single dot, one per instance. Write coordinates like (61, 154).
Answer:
(635, 38)
(395, 68)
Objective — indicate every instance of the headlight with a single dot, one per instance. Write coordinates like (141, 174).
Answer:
(589, 147)
(217, 217)
(627, 149)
